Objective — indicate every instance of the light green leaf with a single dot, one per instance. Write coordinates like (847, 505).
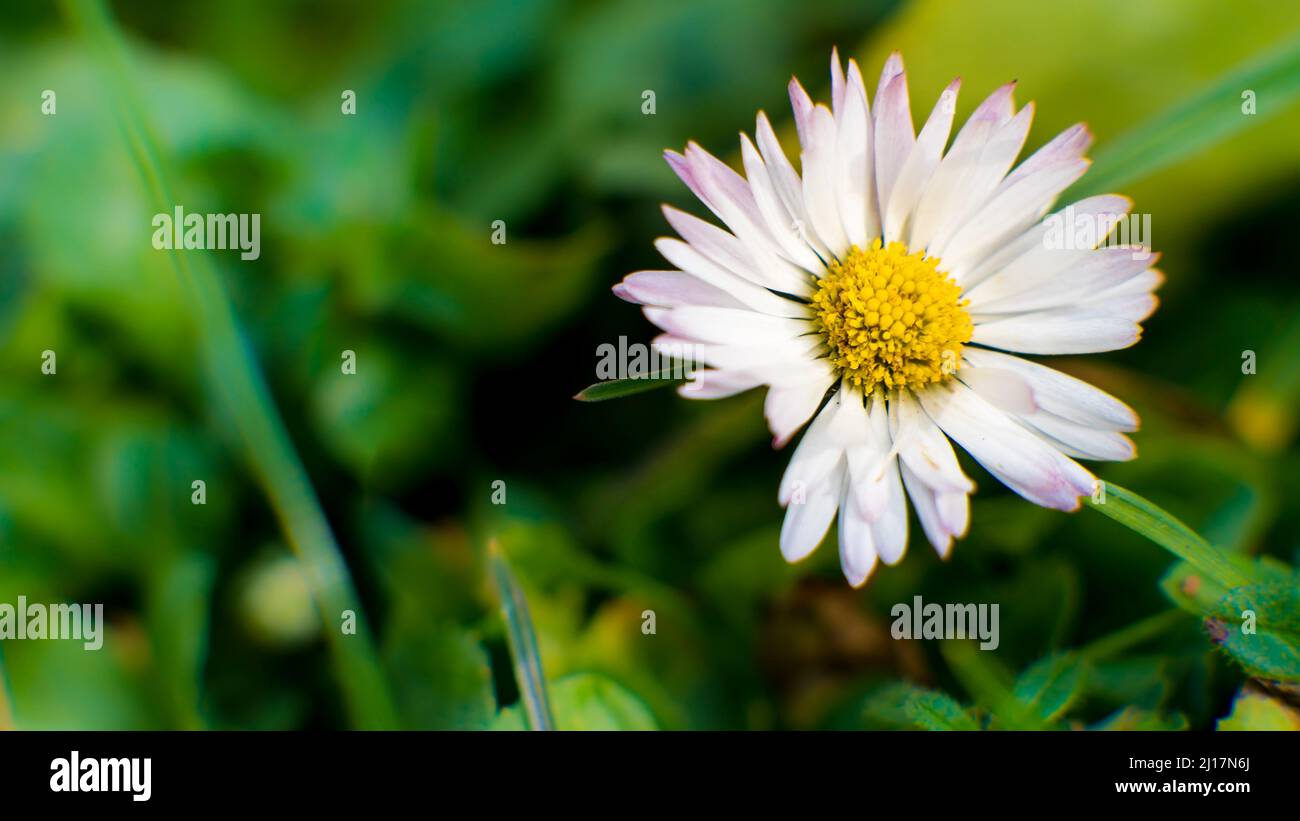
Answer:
(1256, 710)
(587, 701)
(1134, 718)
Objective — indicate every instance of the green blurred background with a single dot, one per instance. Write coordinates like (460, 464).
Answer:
(376, 239)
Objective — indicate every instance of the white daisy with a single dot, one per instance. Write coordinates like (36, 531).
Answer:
(869, 294)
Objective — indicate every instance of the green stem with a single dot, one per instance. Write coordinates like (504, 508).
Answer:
(1137, 633)
(231, 368)
(1150, 520)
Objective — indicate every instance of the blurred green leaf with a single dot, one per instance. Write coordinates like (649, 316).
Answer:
(178, 612)
(903, 706)
(1053, 685)
(1143, 681)
(1137, 719)
(1263, 410)
(1213, 115)
(1256, 710)
(389, 418)
(440, 675)
(991, 685)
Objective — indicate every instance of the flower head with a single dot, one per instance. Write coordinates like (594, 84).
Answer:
(875, 293)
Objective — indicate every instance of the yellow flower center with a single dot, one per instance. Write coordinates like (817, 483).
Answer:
(891, 318)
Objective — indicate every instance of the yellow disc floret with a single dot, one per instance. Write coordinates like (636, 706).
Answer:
(891, 318)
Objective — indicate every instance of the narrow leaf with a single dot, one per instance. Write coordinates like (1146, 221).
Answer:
(523, 643)
(1197, 123)
(1149, 520)
(618, 388)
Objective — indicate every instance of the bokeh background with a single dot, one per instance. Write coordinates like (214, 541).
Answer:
(376, 239)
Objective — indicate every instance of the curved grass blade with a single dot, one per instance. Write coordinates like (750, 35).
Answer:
(230, 366)
(618, 388)
(1150, 520)
(1195, 124)
(523, 643)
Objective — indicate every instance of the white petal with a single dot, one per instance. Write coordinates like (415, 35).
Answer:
(690, 259)
(890, 529)
(945, 196)
(1068, 145)
(669, 289)
(797, 358)
(923, 448)
(1016, 457)
(802, 106)
(837, 82)
(1001, 388)
(789, 187)
(1009, 213)
(1060, 331)
(732, 200)
(871, 460)
(995, 160)
(857, 546)
(921, 162)
(970, 269)
(1079, 441)
(788, 407)
(776, 216)
(726, 326)
(806, 522)
(1092, 272)
(1131, 307)
(954, 512)
(1060, 393)
(927, 511)
(856, 180)
(892, 130)
(817, 453)
(716, 384)
(821, 172)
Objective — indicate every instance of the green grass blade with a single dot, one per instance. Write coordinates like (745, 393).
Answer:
(1150, 520)
(1196, 124)
(529, 674)
(618, 388)
(1133, 635)
(229, 365)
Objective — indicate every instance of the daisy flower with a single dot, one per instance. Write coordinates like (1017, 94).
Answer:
(882, 294)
